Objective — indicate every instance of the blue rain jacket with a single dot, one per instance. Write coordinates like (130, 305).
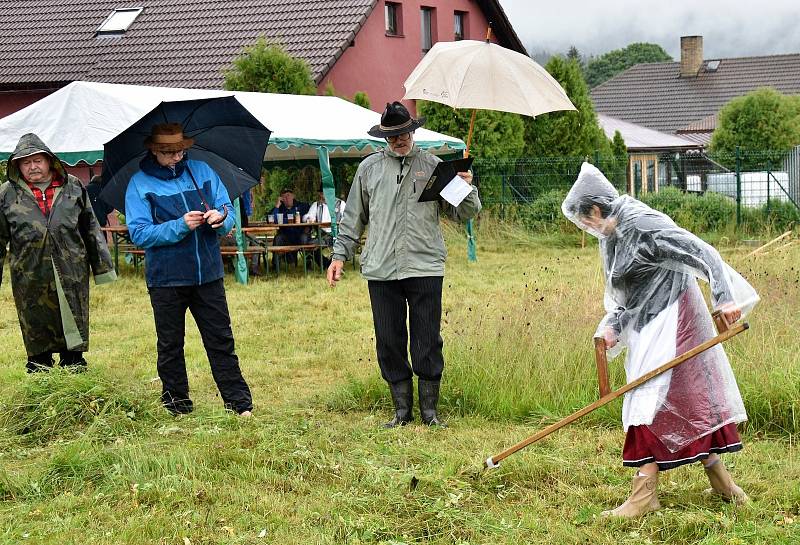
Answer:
(155, 202)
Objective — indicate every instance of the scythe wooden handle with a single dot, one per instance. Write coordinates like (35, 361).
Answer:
(602, 366)
(602, 361)
(723, 336)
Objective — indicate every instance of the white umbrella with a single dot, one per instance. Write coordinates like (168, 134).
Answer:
(484, 76)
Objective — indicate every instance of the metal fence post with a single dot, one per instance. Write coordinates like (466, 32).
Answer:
(738, 187)
(503, 197)
(769, 182)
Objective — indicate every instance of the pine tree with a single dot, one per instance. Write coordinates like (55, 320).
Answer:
(496, 134)
(570, 133)
(619, 158)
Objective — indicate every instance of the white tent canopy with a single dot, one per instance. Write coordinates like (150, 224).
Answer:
(78, 119)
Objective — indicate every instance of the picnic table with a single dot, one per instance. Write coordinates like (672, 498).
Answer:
(260, 234)
(267, 231)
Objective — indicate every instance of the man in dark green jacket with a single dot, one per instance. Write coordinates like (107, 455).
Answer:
(403, 260)
(54, 240)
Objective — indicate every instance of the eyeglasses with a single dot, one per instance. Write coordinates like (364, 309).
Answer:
(179, 153)
(393, 139)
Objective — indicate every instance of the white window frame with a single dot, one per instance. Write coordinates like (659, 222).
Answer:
(119, 21)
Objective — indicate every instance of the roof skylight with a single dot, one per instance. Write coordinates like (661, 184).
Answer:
(119, 21)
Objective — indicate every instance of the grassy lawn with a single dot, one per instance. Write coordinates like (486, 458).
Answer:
(92, 458)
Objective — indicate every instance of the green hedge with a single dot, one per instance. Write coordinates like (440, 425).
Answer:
(697, 213)
(701, 214)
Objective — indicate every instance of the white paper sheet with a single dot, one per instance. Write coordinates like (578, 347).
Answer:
(456, 191)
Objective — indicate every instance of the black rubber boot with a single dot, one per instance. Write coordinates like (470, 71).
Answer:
(73, 361)
(403, 398)
(39, 362)
(428, 399)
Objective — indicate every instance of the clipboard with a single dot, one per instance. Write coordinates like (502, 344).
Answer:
(442, 174)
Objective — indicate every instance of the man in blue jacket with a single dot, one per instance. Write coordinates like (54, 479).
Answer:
(179, 228)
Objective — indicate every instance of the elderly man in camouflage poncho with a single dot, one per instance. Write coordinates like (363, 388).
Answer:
(54, 240)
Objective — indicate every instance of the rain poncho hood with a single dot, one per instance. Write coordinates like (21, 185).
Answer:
(30, 144)
(650, 267)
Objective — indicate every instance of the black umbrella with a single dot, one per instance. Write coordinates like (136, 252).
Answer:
(226, 136)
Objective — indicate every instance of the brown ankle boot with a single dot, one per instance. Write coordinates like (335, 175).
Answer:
(722, 484)
(643, 499)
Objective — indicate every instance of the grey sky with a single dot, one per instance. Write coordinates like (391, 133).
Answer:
(730, 28)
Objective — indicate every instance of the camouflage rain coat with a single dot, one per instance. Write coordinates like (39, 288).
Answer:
(50, 256)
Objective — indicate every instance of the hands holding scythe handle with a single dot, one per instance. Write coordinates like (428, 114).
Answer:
(722, 319)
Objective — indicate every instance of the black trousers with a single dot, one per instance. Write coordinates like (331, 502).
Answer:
(419, 299)
(209, 307)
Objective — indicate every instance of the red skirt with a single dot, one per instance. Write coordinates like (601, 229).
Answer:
(694, 387)
(643, 447)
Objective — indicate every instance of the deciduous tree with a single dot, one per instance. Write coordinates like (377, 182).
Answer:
(764, 124)
(266, 68)
(610, 64)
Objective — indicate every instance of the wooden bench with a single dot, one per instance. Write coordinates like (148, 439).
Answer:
(302, 249)
(250, 251)
(127, 248)
(225, 251)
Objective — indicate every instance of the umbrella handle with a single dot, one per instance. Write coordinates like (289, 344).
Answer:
(199, 193)
(469, 134)
(224, 214)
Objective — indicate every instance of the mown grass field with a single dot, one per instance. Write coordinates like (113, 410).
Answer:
(90, 459)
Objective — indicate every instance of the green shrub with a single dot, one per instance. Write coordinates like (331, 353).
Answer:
(775, 217)
(696, 213)
(543, 215)
(716, 213)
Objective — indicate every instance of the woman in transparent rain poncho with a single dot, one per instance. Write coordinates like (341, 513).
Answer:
(655, 307)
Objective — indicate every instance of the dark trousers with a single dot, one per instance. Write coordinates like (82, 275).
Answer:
(209, 307)
(419, 299)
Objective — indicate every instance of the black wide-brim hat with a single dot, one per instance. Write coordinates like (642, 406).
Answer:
(395, 120)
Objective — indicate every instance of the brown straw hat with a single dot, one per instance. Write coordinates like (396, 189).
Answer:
(168, 137)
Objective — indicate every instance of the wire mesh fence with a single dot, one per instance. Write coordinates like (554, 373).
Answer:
(750, 189)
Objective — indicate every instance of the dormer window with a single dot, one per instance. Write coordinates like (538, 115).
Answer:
(119, 21)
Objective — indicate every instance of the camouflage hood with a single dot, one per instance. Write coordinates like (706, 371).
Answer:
(28, 145)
